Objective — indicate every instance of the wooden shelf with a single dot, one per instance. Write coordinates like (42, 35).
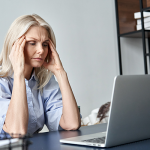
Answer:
(146, 9)
(136, 34)
(126, 10)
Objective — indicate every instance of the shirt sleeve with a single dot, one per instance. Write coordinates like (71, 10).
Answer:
(5, 96)
(52, 104)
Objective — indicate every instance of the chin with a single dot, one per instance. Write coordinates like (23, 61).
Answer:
(37, 65)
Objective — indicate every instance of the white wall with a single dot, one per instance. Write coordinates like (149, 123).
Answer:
(132, 52)
(86, 42)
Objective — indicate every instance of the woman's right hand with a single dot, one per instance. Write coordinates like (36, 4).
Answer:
(17, 56)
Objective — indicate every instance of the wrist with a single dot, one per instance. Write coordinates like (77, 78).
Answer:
(60, 74)
(18, 75)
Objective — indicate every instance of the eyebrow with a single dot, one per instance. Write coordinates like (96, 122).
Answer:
(37, 39)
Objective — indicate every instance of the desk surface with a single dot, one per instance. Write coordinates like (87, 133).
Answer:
(50, 140)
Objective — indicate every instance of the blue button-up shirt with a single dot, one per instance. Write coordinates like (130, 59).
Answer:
(45, 108)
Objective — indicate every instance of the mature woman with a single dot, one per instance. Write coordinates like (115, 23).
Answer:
(29, 94)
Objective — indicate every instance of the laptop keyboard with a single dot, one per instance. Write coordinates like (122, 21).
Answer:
(96, 140)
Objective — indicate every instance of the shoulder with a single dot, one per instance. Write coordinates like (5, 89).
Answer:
(52, 84)
(4, 80)
(5, 84)
(51, 89)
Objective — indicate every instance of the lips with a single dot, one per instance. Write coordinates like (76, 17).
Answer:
(38, 59)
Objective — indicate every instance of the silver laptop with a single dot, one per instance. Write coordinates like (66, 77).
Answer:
(129, 118)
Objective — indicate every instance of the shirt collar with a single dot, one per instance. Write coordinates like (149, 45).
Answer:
(33, 76)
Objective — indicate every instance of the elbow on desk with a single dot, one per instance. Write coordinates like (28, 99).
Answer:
(73, 126)
(69, 123)
(15, 132)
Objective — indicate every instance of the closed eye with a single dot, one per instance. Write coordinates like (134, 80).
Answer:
(45, 44)
(32, 43)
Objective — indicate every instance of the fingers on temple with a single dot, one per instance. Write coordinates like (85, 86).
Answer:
(16, 42)
(52, 45)
(23, 44)
(20, 40)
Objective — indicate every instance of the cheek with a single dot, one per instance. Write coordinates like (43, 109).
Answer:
(45, 52)
(28, 52)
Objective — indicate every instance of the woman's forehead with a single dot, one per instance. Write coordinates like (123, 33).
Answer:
(37, 32)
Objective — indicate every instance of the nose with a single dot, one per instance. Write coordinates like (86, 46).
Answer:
(40, 49)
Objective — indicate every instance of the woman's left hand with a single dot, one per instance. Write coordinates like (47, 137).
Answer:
(70, 118)
(54, 65)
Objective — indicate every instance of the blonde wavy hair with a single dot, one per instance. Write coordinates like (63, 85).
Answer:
(18, 28)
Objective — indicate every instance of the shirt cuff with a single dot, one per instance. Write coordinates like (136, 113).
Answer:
(2, 119)
(53, 119)
(3, 134)
(80, 116)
